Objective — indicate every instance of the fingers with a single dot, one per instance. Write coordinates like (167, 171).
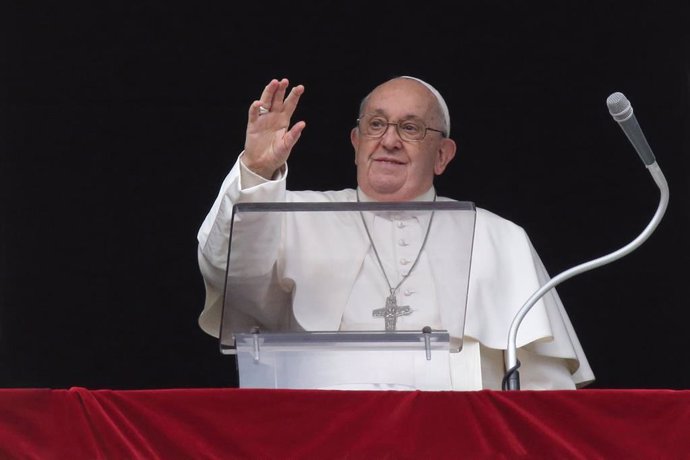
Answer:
(290, 103)
(273, 99)
(276, 102)
(293, 135)
(273, 94)
(256, 110)
(269, 92)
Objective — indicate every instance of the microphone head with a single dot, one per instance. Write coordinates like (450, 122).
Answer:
(619, 106)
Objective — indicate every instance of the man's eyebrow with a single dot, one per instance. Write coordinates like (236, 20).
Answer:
(409, 116)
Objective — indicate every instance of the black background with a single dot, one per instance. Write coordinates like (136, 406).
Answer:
(119, 121)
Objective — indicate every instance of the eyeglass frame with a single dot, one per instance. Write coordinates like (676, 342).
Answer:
(397, 128)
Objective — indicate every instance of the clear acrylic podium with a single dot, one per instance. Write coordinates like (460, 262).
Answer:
(282, 340)
(344, 360)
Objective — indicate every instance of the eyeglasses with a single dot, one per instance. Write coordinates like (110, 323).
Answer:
(375, 126)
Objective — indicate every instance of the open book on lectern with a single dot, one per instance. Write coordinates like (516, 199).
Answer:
(347, 294)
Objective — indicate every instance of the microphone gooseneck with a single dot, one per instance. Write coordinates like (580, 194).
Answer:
(621, 111)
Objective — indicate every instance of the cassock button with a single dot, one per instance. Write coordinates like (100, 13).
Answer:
(400, 224)
(402, 242)
(404, 261)
(408, 292)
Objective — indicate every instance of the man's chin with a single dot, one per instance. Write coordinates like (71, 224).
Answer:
(387, 190)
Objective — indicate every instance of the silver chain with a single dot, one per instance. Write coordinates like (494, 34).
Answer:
(378, 259)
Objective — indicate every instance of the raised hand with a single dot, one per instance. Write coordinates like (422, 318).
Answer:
(270, 138)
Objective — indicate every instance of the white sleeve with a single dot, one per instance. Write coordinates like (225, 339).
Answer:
(240, 185)
(506, 271)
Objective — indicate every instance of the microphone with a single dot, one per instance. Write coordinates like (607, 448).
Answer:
(622, 112)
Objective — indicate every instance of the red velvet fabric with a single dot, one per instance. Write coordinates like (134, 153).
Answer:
(302, 424)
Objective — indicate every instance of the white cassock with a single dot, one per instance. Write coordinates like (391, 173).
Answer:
(505, 272)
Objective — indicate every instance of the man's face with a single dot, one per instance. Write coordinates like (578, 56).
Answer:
(390, 168)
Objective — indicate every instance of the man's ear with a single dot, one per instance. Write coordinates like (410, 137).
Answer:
(354, 139)
(445, 154)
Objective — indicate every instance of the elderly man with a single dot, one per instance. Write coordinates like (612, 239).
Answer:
(401, 142)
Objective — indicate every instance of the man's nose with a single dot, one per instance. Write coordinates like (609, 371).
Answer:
(391, 137)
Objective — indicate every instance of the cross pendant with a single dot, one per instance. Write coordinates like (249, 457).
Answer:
(391, 312)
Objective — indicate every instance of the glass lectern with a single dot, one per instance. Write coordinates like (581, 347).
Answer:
(304, 280)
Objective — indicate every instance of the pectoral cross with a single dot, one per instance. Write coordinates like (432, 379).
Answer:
(391, 312)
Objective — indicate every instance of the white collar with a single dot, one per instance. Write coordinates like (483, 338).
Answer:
(426, 196)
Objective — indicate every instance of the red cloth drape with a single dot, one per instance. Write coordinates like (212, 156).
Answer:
(295, 424)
